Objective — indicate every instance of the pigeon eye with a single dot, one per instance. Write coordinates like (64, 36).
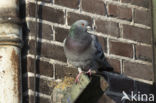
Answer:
(82, 24)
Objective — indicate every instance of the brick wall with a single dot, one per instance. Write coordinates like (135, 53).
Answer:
(122, 26)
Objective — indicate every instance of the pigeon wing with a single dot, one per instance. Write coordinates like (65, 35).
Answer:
(99, 56)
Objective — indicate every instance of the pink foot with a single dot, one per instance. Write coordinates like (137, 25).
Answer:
(77, 80)
(89, 72)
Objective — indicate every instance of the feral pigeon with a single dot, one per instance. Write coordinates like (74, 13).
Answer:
(83, 49)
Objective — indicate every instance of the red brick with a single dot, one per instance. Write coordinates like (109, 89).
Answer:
(48, 50)
(72, 17)
(64, 71)
(142, 17)
(122, 49)
(60, 34)
(44, 30)
(43, 68)
(42, 85)
(103, 42)
(144, 52)
(137, 70)
(93, 6)
(126, 1)
(68, 3)
(142, 3)
(115, 64)
(48, 1)
(30, 9)
(137, 34)
(108, 27)
(46, 13)
(120, 12)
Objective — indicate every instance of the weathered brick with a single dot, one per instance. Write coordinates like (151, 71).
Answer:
(42, 85)
(46, 13)
(51, 14)
(120, 48)
(144, 52)
(48, 1)
(72, 17)
(44, 30)
(115, 64)
(60, 34)
(64, 71)
(93, 6)
(48, 50)
(142, 17)
(68, 3)
(137, 70)
(126, 1)
(43, 68)
(108, 27)
(142, 3)
(30, 9)
(39, 99)
(103, 42)
(120, 12)
(137, 34)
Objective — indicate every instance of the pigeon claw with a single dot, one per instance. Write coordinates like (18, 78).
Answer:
(77, 80)
(89, 72)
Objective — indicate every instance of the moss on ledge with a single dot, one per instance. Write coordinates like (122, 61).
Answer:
(68, 91)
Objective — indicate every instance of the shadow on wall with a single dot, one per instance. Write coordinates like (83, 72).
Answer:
(94, 91)
(117, 85)
(26, 48)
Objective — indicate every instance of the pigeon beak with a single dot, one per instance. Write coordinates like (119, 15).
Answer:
(89, 28)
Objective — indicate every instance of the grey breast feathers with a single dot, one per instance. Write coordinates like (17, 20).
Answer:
(82, 59)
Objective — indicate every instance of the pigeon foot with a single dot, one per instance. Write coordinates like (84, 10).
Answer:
(89, 72)
(78, 76)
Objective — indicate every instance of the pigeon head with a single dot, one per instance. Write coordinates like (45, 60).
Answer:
(79, 28)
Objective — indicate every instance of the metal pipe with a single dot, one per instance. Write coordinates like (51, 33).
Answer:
(10, 52)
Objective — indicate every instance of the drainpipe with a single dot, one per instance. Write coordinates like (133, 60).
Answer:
(154, 37)
(10, 52)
